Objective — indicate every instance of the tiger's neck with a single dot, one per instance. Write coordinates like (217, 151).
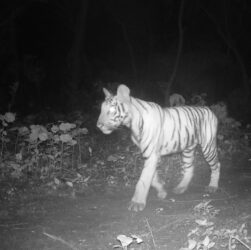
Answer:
(145, 122)
(135, 122)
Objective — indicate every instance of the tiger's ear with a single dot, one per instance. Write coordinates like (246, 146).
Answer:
(123, 93)
(107, 93)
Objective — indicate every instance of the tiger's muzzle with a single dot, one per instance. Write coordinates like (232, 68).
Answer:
(106, 130)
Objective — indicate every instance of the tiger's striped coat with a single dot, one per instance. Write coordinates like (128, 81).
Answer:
(161, 131)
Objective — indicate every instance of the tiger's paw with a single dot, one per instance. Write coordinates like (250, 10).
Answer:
(136, 207)
(179, 189)
(211, 189)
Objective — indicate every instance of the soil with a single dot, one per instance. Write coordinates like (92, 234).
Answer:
(93, 219)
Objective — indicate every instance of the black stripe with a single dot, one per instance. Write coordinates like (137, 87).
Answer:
(141, 103)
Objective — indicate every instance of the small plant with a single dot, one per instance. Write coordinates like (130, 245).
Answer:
(199, 99)
(231, 138)
(39, 151)
(5, 119)
(205, 235)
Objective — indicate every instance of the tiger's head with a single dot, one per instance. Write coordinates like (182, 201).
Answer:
(114, 110)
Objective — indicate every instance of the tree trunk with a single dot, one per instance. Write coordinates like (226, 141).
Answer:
(130, 50)
(77, 51)
(15, 81)
(232, 47)
(179, 52)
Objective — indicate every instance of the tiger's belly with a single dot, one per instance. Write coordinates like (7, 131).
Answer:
(176, 147)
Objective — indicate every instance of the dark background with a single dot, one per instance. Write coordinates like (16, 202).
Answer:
(58, 54)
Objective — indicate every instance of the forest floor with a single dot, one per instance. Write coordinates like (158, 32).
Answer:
(61, 219)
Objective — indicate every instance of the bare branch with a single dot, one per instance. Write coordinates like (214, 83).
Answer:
(232, 47)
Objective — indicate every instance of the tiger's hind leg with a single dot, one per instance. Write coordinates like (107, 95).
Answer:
(187, 168)
(156, 183)
(211, 156)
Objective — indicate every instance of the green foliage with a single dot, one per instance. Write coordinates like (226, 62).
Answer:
(206, 234)
(239, 103)
(5, 119)
(38, 151)
(198, 100)
(231, 138)
(62, 153)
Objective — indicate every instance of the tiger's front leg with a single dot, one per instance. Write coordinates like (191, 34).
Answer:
(138, 201)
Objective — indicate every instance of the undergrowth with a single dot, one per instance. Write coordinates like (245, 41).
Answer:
(207, 233)
(67, 154)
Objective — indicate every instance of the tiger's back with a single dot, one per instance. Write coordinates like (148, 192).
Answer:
(186, 126)
(170, 130)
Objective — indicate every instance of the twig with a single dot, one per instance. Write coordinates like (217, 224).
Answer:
(12, 225)
(235, 238)
(166, 225)
(60, 240)
(225, 192)
(203, 199)
(180, 46)
(232, 47)
(149, 228)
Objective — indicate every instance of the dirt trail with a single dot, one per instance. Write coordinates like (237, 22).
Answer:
(93, 220)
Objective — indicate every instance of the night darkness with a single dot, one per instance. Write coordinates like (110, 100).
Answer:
(61, 53)
(82, 138)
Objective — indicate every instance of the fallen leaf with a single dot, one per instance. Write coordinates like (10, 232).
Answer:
(206, 241)
(191, 244)
(124, 240)
(137, 238)
(69, 183)
(57, 181)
